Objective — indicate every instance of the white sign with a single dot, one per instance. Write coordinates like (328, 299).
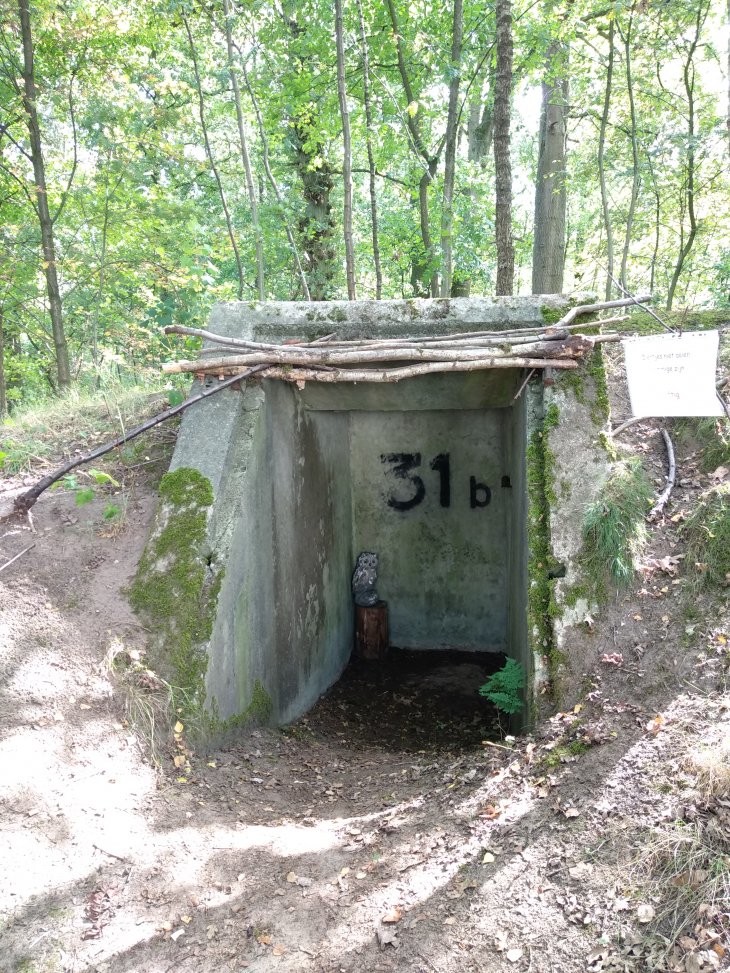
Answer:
(672, 374)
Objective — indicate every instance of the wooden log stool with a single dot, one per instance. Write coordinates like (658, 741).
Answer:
(371, 631)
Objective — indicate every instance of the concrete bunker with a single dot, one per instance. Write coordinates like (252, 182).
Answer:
(432, 473)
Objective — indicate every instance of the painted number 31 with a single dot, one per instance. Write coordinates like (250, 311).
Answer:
(413, 489)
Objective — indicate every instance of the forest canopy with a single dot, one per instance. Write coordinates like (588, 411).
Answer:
(157, 157)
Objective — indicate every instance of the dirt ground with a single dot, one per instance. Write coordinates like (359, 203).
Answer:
(386, 830)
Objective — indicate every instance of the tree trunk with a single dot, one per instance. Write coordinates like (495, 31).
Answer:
(211, 160)
(274, 184)
(423, 278)
(635, 175)
(369, 146)
(347, 154)
(452, 126)
(253, 202)
(41, 205)
(548, 254)
(3, 384)
(502, 162)
(601, 161)
(688, 77)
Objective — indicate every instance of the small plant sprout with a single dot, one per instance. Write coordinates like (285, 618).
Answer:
(504, 688)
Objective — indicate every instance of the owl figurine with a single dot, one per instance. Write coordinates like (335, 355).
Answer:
(365, 578)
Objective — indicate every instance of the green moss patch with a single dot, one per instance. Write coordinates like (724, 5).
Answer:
(708, 538)
(541, 495)
(176, 587)
(640, 322)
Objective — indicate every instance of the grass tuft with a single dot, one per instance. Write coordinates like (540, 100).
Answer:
(711, 436)
(614, 527)
(708, 537)
(42, 432)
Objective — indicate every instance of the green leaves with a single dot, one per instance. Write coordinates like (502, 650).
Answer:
(504, 688)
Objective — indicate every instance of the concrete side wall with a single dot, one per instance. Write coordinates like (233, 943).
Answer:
(428, 498)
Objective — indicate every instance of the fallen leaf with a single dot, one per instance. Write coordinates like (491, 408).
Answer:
(179, 760)
(450, 921)
(84, 706)
(612, 658)
(581, 870)
(655, 725)
(186, 919)
(178, 728)
(488, 858)
(571, 812)
(645, 912)
(514, 954)
(279, 949)
(395, 915)
(292, 878)
(387, 937)
(265, 939)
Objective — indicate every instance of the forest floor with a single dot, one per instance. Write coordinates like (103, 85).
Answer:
(340, 843)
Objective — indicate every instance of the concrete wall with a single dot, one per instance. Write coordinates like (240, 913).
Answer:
(441, 534)
(302, 480)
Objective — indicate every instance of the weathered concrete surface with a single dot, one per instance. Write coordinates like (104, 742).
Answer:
(301, 487)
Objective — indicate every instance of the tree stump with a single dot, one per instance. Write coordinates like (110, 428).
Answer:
(371, 631)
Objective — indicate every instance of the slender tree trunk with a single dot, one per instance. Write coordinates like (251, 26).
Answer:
(601, 160)
(251, 189)
(211, 160)
(347, 153)
(502, 162)
(423, 275)
(688, 77)
(41, 205)
(274, 184)
(635, 174)
(548, 255)
(369, 146)
(452, 132)
(3, 383)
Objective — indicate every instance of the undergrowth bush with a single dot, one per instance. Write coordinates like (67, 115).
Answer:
(614, 527)
(708, 537)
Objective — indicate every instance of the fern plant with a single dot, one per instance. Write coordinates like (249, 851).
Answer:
(504, 687)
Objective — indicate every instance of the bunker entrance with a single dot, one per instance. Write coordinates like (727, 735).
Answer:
(412, 701)
(430, 476)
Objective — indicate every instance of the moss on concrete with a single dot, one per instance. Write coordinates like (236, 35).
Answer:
(176, 587)
(541, 605)
(641, 322)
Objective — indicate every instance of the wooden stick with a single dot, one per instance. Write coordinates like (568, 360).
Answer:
(287, 374)
(661, 503)
(25, 501)
(626, 425)
(575, 312)
(574, 347)
(13, 559)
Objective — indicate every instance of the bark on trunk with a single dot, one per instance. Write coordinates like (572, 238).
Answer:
(211, 160)
(601, 161)
(3, 384)
(347, 153)
(548, 256)
(502, 162)
(41, 205)
(369, 146)
(245, 157)
(447, 209)
(635, 175)
(688, 77)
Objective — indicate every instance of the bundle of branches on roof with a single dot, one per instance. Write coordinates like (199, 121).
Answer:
(391, 359)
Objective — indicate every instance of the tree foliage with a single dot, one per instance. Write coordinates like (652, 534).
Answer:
(194, 152)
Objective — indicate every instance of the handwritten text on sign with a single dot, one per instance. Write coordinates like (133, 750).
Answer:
(673, 375)
(413, 490)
